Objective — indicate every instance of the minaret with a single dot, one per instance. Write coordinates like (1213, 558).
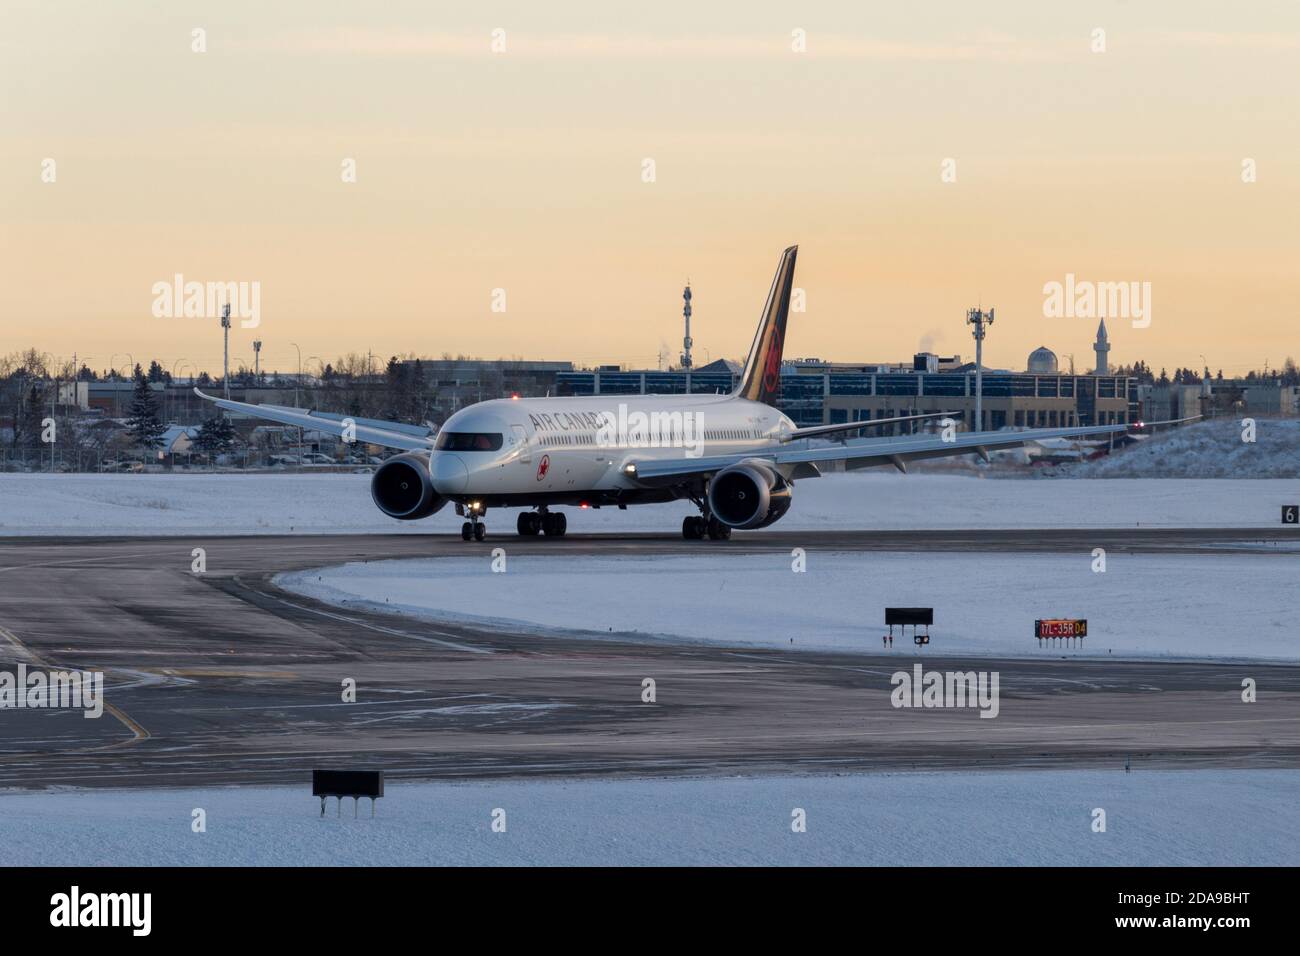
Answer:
(1101, 347)
(686, 340)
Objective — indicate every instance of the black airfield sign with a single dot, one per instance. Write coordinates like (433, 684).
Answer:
(909, 615)
(347, 783)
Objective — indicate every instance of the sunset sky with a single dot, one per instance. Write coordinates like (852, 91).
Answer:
(522, 170)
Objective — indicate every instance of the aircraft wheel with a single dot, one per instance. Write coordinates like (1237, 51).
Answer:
(688, 527)
(561, 524)
(466, 531)
(528, 524)
(718, 531)
(480, 531)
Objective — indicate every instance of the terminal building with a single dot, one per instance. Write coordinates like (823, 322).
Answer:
(817, 393)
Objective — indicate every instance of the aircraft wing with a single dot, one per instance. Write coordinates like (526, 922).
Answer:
(367, 430)
(896, 451)
(816, 430)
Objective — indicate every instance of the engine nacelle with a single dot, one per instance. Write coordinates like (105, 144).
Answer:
(749, 495)
(402, 488)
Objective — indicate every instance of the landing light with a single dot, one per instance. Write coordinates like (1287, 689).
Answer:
(629, 469)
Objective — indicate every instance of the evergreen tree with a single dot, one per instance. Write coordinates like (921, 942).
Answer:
(397, 388)
(215, 435)
(144, 425)
(416, 409)
(27, 425)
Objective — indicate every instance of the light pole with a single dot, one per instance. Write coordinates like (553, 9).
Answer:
(175, 375)
(117, 400)
(225, 357)
(54, 396)
(297, 384)
(298, 381)
(257, 357)
(981, 321)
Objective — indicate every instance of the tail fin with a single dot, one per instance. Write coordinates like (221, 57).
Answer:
(761, 380)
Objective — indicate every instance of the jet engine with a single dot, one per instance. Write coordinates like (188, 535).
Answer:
(402, 488)
(750, 494)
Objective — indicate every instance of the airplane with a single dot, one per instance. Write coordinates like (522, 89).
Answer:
(734, 456)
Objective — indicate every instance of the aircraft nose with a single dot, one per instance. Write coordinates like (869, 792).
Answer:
(450, 476)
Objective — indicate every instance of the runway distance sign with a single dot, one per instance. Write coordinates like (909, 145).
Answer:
(1061, 627)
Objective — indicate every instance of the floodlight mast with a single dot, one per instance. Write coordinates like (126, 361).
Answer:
(981, 320)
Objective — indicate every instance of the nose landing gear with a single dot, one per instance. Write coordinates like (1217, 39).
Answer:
(473, 528)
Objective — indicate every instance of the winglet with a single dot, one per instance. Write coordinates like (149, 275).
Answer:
(761, 380)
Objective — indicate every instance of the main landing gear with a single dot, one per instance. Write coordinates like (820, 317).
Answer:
(531, 523)
(697, 527)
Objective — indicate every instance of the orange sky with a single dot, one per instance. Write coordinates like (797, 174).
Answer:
(522, 170)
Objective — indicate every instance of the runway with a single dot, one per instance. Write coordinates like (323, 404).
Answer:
(219, 678)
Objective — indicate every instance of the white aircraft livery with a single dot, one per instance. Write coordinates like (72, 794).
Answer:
(733, 455)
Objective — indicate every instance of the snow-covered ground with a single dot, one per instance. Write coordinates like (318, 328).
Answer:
(334, 504)
(1141, 606)
(1155, 818)
(1209, 449)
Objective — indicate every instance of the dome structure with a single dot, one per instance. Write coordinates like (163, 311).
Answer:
(1042, 361)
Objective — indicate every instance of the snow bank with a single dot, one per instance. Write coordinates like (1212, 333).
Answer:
(340, 504)
(1209, 449)
(1156, 818)
(985, 604)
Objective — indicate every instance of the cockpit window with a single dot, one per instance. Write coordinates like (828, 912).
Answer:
(468, 441)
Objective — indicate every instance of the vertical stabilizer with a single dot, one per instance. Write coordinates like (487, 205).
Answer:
(761, 380)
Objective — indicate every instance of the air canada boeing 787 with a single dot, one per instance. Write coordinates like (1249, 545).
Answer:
(732, 455)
